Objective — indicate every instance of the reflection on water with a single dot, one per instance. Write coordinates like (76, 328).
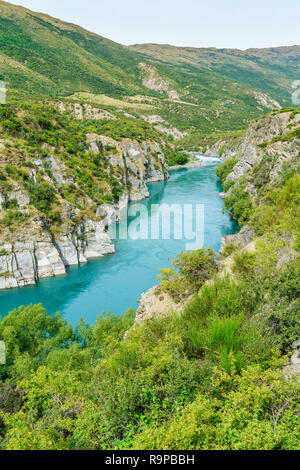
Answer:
(115, 282)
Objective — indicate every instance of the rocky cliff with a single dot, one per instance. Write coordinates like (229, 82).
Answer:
(57, 201)
(269, 145)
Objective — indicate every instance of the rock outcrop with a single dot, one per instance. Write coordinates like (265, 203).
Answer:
(241, 239)
(154, 304)
(163, 126)
(294, 363)
(135, 161)
(84, 111)
(23, 263)
(33, 250)
(268, 144)
(153, 81)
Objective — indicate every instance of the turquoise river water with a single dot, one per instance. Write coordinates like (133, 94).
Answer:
(115, 282)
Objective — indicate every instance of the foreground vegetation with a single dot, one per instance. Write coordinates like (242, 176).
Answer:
(210, 379)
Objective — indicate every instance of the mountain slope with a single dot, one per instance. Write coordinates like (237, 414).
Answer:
(203, 90)
(269, 70)
(66, 57)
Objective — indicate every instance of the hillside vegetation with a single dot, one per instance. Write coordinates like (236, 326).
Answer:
(205, 90)
(37, 141)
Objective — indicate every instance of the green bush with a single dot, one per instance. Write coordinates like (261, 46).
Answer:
(259, 412)
(174, 157)
(13, 218)
(226, 168)
(189, 272)
(239, 203)
(42, 195)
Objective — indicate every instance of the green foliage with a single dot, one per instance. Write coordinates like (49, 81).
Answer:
(229, 249)
(260, 414)
(279, 208)
(42, 57)
(207, 379)
(283, 305)
(226, 168)
(239, 203)
(13, 218)
(42, 195)
(174, 157)
(189, 272)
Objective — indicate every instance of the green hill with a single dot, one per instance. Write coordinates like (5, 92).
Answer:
(205, 89)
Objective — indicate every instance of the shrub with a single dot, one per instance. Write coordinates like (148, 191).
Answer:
(42, 195)
(13, 218)
(226, 168)
(189, 272)
(257, 410)
(174, 157)
(229, 249)
(239, 203)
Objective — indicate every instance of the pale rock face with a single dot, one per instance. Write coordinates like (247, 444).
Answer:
(48, 261)
(153, 118)
(163, 126)
(153, 304)
(241, 239)
(265, 100)
(136, 160)
(294, 365)
(22, 199)
(68, 251)
(251, 156)
(110, 214)
(84, 111)
(25, 264)
(17, 266)
(249, 152)
(97, 243)
(176, 133)
(58, 170)
(153, 81)
(8, 282)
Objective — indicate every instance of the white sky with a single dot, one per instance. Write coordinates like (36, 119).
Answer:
(200, 23)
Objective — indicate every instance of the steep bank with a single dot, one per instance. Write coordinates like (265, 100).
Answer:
(257, 166)
(62, 184)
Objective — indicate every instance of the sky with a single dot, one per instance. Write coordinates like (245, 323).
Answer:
(197, 23)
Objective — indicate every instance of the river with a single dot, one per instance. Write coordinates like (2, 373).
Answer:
(115, 282)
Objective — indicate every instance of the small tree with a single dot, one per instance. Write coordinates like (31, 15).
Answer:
(190, 271)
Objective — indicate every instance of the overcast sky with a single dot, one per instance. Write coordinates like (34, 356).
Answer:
(199, 23)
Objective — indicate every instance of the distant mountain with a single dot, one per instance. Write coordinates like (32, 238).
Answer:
(268, 70)
(206, 90)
